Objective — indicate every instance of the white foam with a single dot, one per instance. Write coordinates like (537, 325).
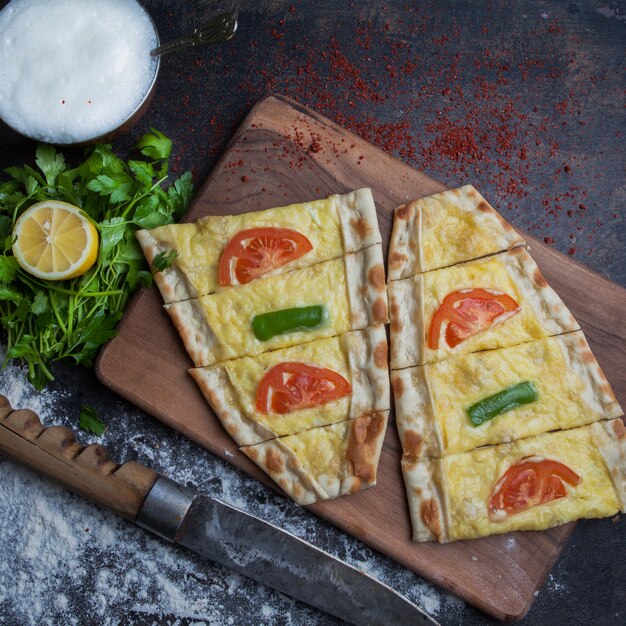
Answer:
(71, 70)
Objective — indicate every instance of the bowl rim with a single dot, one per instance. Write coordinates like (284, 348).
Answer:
(103, 136)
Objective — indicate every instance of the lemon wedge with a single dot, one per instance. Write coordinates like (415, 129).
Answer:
(55, 240)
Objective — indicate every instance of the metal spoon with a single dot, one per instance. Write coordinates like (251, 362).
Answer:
(222, 27)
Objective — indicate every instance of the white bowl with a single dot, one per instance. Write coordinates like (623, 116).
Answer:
(32, 87)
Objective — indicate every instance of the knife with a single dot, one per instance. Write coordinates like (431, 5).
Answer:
(211, 528)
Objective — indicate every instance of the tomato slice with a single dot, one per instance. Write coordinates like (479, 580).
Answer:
(465, 313)
(530, 482)
(256, 251)
(290, 386)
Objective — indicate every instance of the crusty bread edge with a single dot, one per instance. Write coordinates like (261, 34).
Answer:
(406, 255)
(427, 499)
(197, 335)
(280, 462)
(367, 293)
(597, 393)
(358, 219)
(406, 307)
(405, 250)
(366, 352)
(610, 437)
(172, 281)
(217, 388)
(548, 307)
(418, 428)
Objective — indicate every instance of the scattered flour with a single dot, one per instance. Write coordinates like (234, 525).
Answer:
(554, 585)
(510, 543)
(611, 12)
(65, 560)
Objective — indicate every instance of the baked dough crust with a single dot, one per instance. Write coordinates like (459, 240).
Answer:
(360, 443)
(355, 214)
(426, 490)
(433, 507)
(407, 331)
(597, 393)
(359, 222)
(611, 440)
(408, 324)
(365, 291)
(420, 429)
(366, 353)
(480, 230)
(195, 330)
(173, 282)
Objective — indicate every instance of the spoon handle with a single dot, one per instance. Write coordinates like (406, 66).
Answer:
(222, 27)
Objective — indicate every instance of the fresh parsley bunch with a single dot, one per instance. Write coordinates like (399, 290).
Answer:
(48, 321)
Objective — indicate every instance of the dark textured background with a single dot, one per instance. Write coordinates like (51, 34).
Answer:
(525, 100)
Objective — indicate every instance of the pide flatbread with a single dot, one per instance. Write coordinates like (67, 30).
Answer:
(555, 382)
(282, 313)
(325, 462)
(445, 229)
(571, 474)
(330, 298)
(333, 227)
(241, 391)
(497, 301)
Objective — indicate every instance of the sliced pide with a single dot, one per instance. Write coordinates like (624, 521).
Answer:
(497, 301)
(313, 384)
(530, 484)
(219, 251)
(445, 229)
(286, 309)
(498, 396)
(325, 462)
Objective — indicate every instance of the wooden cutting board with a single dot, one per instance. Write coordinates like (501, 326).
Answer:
(284, 153)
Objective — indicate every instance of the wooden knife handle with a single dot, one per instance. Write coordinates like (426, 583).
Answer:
(87, 470)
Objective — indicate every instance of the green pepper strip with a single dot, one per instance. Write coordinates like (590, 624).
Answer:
(501, 402)
(268, 325)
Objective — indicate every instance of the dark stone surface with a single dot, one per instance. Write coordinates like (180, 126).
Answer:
(525, 100)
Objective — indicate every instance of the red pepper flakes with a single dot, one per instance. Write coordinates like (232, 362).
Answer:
(471, 128)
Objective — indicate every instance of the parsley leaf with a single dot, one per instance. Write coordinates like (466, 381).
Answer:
(8, 267)
(50, 162)
(143, 172)
(155, 145)
(163, 260)
(90, 421)
(180, 193)
(22, 347)
(117, 185)
(111, 233)
(40, 303)
(150, 213)
(69, 320)
(7, 293)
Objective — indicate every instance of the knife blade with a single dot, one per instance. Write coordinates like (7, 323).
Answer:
(274, 557)
(213, 529)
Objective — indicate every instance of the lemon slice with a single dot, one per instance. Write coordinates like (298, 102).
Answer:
(55, 240)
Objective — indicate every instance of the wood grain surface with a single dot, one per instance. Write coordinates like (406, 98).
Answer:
(86, 470)
(284, 153)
